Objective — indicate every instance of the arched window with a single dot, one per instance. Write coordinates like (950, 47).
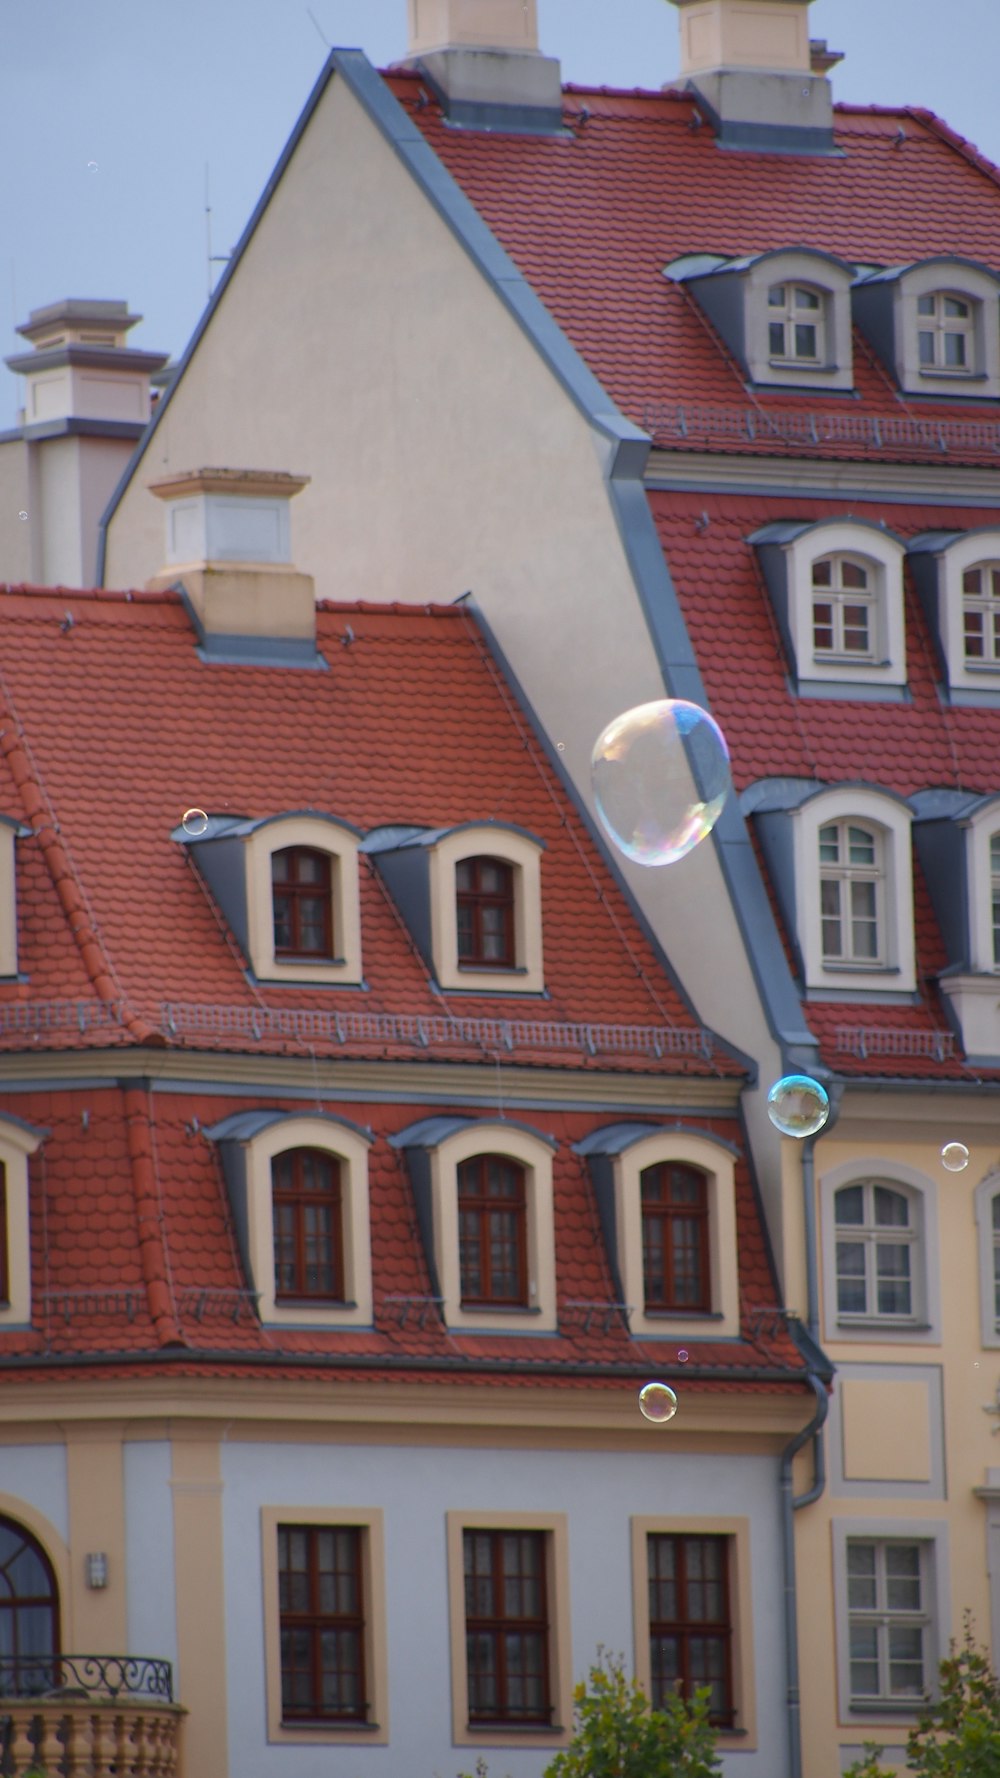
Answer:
(876, 1252)
(484, 889)
(852, 876)
(996, 1260)
(843, 608)
(981, 613)
(29, 1614)
(308, 1227)
(492, 1231)
(675, 1247)
(796, 329)
(946, 332)
(301, 903)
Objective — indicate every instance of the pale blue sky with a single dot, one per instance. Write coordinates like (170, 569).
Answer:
(150, 90)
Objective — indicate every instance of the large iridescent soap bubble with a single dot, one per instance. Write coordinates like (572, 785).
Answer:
(661, 775)
(657, 1402)
(797, 1105)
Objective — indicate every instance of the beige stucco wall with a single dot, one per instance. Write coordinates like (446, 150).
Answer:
(16, 534)
(358, 344)
(75, 478)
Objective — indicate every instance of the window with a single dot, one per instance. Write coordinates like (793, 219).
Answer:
(300, 890)
(509, 1616)
(4, 1259)
(485, 913)
(323, 1583)
(875, 1241)
(981, 613)
(492, 1231)
(996, 1260)
(506, 1627)
(689, 1628)
(675, 1237)
(850, 893)
(795, 330)
(322, 1624)
(29, 1614)
(987, 1207)
(18, 1140)
(483, 1192)
(888, 1621)
(9, 832)
(945, 332)
(298, 1188)
(995, 894)
(843, 607)
(308, 1238)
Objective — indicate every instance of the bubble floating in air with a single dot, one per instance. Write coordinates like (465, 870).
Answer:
(797, 1105)
(657, 1402)
(22, 516)
(194, 822)
(954, 1157)
(682, 1356)
(91, 166)
(661, 776)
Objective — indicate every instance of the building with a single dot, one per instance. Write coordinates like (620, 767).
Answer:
(345, 1213)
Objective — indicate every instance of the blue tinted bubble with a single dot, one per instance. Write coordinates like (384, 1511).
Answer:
(661, 776)
(657, 1402)
(797, 1105)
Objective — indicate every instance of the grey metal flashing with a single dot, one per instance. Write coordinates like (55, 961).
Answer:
(73, 426)
(499, 119)
(430, 1132)
(598, 839)
(747, 892)
(399, 839)
(808, 479)
(244, 826)
(768, 794)
(466, 224)
(767, 138)
(960, 697)
(21, 1123)
(786, 530)
(744, 263)
(243, 1126)
(260, 651)
(619, 1138)
(891, 273)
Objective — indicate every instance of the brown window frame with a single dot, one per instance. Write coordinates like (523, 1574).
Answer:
(474, 1201)
(686, 1629)
(28, 1674)
(294, 893)
(4, 1238)
(501, 1627)
(316, 1623)
(299, 1198)
(476, 900)
(667, 1214)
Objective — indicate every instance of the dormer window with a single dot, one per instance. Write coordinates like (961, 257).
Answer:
(957, 575)
(851, 888)
(995, 896)
(675, 1238)
(843, 608)
(945, 333)
(300, 901)
(9, 832)
(308, 1229)
(958, 838)
(492, 1231)
(795, 329)
(485, 913)
(981, 613)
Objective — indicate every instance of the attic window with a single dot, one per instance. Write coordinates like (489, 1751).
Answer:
(981, 614)
(796, 328)
(485, 913)
(843, 608)
(946, 333)
(301, 902)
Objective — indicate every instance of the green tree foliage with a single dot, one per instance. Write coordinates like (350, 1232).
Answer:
(617, 1735)
(959, 1735)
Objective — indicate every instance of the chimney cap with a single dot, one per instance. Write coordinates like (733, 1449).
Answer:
(79, 311)
(255, 484)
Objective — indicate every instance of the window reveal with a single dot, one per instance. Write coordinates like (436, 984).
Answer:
(507, 1627)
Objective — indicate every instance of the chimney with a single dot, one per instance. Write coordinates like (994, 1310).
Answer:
(482, 62)
(228, 547)
(87, 400)
(757, 77)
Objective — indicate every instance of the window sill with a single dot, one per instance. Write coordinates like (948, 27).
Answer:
(881, 1324)
(499, 1309)
(482, 1727)
(292, 960)
(892, 1707)
(941, 373)
(868, 969)
(860, 662)
(684, 1315)
(322, 1725)
(807, 367)
(467, 968)
(333, 1304)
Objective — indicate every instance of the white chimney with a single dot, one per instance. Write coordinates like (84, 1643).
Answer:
(482, 61)
(756, 74)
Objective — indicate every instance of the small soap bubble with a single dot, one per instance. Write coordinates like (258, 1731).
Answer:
(91, 166)
(797, 1105)
(560, 746)
(657, 1402)
(660, 775)
(22, 516)
(954, 1157)
(194, 822)
(682, 1356)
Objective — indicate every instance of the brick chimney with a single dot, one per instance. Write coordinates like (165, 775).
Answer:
(481, 59)
(757, 77)
(228, 546)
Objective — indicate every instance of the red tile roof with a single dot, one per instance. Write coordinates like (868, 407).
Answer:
(593, 219)
(111, 727)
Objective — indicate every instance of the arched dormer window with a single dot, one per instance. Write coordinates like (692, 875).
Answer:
(485, 913)
(18, 1141)
(957, 575)
(934, 324)
(837, 591)
(785, 314)
(298, 1189)
(288, 888)
(852, 893)
(796, 324)
(9, 832)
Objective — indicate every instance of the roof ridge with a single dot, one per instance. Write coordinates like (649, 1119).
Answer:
(105, 595)
(960, 144)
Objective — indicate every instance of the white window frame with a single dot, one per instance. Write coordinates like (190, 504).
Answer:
(935, 323)
(340, 843)
(524, 855)
(882, 555)
(990, 604)
(982, 828)
(952, 561)
(495, 1136)
(348, 1147)
(924, 1327)
(17, 1141)
(837, 596)
(869, 1236)
(833, 368)
(947, 277)
(8, 898)
(719, 1168)
(847, 872)
(932, 1536)
(988, 1243)
(891, 819)
(785, 314)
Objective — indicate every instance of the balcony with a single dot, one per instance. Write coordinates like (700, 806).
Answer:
(88, 1716)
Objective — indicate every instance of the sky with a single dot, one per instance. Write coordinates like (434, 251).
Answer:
(112, 111)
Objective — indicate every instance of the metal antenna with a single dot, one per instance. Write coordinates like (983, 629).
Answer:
(315, 21)
(208, 236)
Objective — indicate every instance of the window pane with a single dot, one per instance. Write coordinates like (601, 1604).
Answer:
(954, 350)
(971, 580)
(902, 1577)
(822, 576)
(864, 921)
(850, 1205)
(926, 348)
(805, 340)
(925, 305)
(853, 575)
(776, 296)
(805, 299)
(953, 306)
(892, 1210)
(776, 339)
(822, 624)
(906, 1660)
(861, 845)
